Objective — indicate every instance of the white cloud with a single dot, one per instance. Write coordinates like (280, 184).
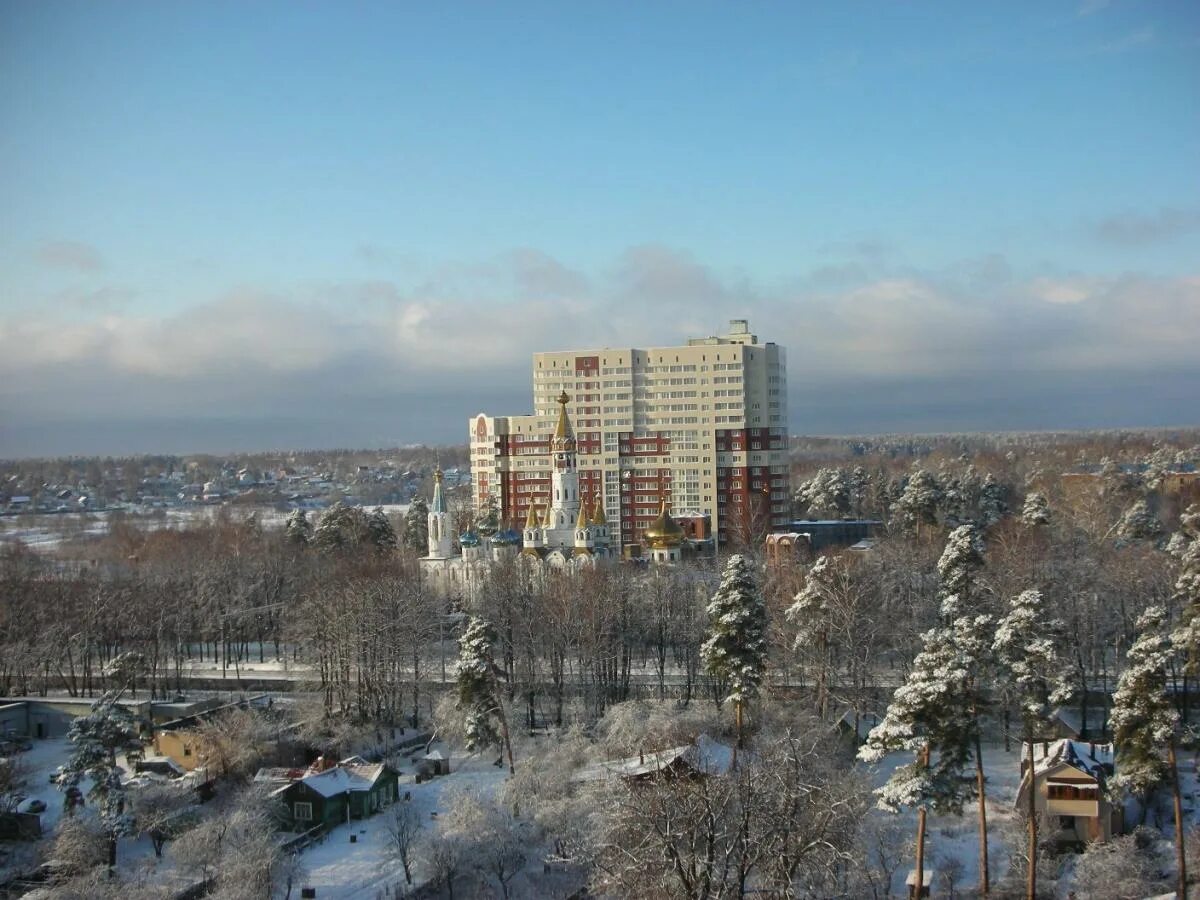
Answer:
(317, 349)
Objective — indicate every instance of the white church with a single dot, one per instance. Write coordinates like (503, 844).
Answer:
(570, 532)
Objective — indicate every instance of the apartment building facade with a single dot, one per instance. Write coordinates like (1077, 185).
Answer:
(704, 424)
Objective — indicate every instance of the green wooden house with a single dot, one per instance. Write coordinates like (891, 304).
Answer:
(345, 791)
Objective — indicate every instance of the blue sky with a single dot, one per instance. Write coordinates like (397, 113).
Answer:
(231, 224)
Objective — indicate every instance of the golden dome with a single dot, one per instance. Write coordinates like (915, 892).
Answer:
(581, 521)
(664, 531)
(598, 512)
(531, 521)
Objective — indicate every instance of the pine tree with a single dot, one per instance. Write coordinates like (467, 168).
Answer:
(416, 526)
(341, 527)
(918, 503)
(380, 533)
(476, 685)
(811, 612)
(1027, 649)
(958, 570)
(97, 738)
(827, 493)
(488, 522)
(960, 496)
(1139, 523)
(992, 505)
(735, 652)
(1143, 721)
(1036, 511)
(929, 717)
(297, 528)
(860, 489)
(958, 573)
(1187, 587)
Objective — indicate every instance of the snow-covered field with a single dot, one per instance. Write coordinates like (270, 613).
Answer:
(50, 531)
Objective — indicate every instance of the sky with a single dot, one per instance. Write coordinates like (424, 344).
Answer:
(259, 225)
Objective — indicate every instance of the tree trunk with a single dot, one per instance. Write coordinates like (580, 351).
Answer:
(919, 887)
(1180, 856)
(984, 880)
(1031, 872)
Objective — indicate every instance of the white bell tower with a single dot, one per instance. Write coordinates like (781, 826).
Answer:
(441, 537)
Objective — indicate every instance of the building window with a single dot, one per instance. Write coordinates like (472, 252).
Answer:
(303, 812)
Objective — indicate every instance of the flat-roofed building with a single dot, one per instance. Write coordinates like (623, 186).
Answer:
(705, 423)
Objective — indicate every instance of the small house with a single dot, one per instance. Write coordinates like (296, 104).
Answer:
(1069, 780)
(701, 759)
(329, 794)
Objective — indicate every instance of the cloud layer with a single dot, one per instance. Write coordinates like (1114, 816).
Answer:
(871, 346)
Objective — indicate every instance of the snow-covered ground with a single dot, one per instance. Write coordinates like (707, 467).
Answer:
(48, 532)
(957, 837)
(342, 870)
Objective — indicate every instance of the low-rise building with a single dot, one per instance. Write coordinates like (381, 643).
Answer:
(328, 794)
(1069, 780)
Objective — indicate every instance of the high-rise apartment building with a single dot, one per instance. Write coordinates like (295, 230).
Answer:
(703, 424)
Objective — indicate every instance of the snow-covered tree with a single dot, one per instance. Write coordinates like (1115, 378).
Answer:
(345, 528)
(827, 493)
(992, 505)
(1187, 586)
(958, 570)
(918, 504)
(960, 593)
(735, 652)
(1139, 523)
(487, 522)
(476, 685)
(860, 489)
(1128, 867)
(1143, 719)
(489, 832)
(340, 527)
(380, 533)
(1032, 672)
(97, 738)
(416, 526)
(124, 669)
(297, 528)
(1143, 722)
(1036, 511)
(810, 612)
(930, 717)
(403, 824)
(960, 496)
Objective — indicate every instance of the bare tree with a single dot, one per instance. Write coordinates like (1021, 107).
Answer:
(403, 827)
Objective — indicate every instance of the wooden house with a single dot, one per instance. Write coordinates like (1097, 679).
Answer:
(329, 796)
(1069, 780)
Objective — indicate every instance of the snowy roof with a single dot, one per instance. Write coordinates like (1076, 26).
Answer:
(1070, 719)
(336, 781)
(860, 721)
(1091, 759)
(705, 756)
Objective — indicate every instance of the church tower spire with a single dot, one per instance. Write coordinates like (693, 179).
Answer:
(564, 481)
(441, 540)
